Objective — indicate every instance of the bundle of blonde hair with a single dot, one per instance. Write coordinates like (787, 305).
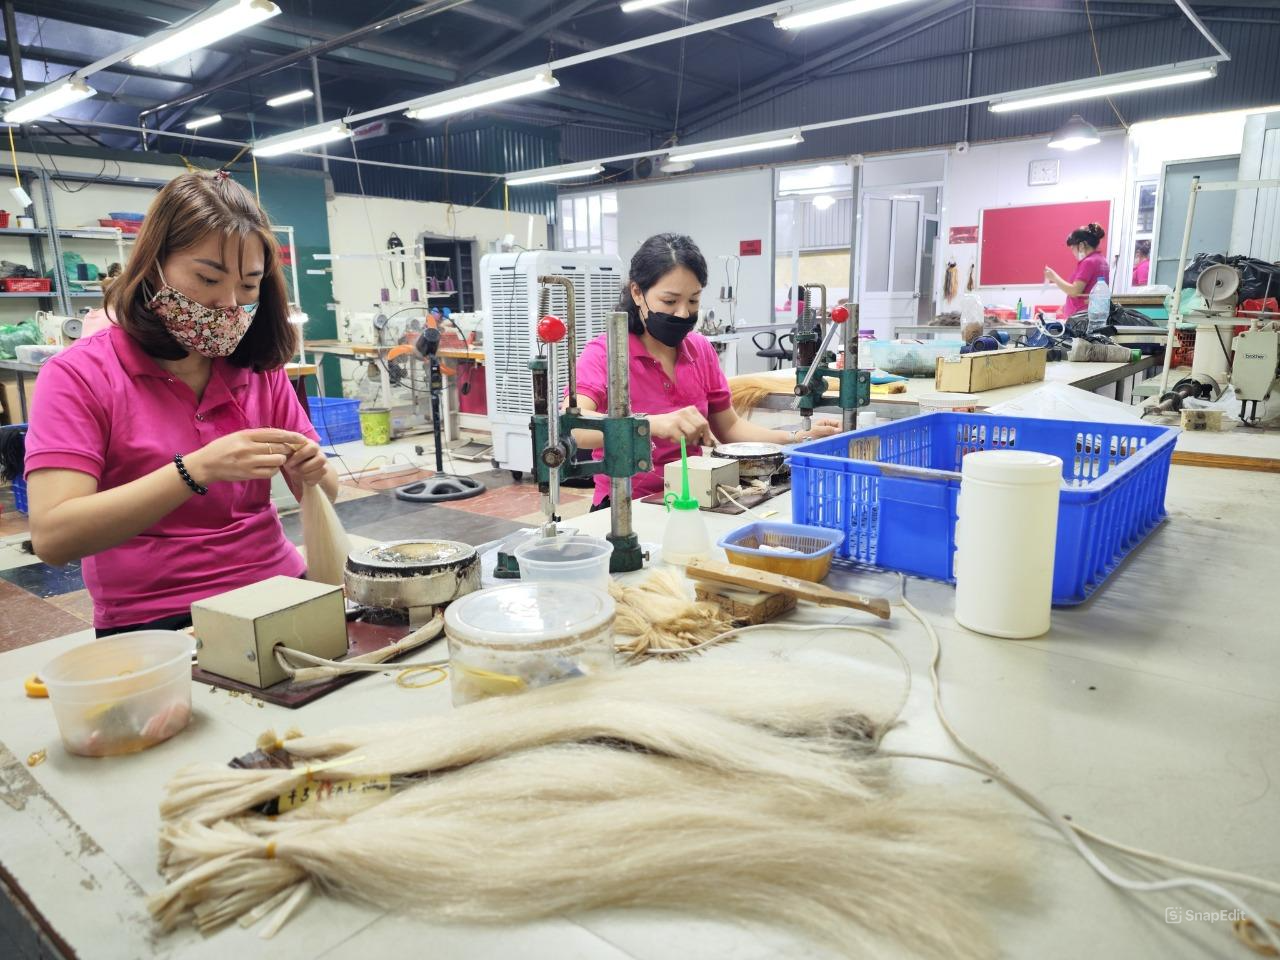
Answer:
(744, 789)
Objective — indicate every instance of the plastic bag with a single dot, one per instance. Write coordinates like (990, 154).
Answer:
(12, 337)
(1060, 401)
(1258, 279)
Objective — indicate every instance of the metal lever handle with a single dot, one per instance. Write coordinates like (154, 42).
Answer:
(803, 389)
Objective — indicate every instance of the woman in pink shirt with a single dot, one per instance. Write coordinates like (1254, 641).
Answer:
(676, 380)
(1142, 263)
(153, 443)
(1090, 268)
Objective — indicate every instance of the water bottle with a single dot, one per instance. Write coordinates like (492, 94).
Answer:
(1099, 305)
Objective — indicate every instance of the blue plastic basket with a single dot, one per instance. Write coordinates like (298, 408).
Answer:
(336, 420)
(19, 494)
(892, 490)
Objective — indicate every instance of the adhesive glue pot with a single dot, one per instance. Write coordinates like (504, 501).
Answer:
(686, 535)
(1006, 533)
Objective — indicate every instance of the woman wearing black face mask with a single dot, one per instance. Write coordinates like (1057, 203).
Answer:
(676, 380)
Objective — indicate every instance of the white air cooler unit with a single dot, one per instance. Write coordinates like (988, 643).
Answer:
(509, 288)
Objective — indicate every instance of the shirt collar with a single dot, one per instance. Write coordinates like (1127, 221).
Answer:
(638, 350)
(138, 363)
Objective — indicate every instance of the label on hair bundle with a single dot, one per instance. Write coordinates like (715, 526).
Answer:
(316, 791)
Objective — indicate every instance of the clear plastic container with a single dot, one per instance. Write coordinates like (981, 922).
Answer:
(914, 358)
(522, 635)
(579, 560)
(35, 352)
(121, 694)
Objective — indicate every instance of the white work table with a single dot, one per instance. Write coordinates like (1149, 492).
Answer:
(1150, 714)
(1086, 376)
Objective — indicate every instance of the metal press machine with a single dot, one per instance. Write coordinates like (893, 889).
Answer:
(813, 360)
(627, 445)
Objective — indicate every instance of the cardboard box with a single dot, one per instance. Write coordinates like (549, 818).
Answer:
(706, 474)
(975, 372)
(237, 631)
(10, 401)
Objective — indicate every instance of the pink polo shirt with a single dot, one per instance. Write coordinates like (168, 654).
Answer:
(699, 382)
(1091, 269)
(109, 410)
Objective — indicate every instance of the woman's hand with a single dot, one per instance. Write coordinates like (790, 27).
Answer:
(246, 455)
(687, 423)
(1051, 275)
(825, 427)
(308, 464)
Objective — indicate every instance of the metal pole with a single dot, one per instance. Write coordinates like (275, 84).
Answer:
(315, 83)
(618, 350)
(849, 418)
(15, 52)
(552, 499)
(1175, 315)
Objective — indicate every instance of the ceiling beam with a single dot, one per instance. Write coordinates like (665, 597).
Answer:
(527, 34)
(712, 112)
(729, 34)
(575, 42)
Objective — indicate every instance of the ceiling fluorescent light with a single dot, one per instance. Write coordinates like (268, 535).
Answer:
(811, 14)
(1102, 87)
(50, 97)
(301, 139)
(481, 94)
(631, 6)
(294, 97)
(208, 27)
(570, 171)
(675, 166)
(199, 122)
(1076, 134)
(724, 148)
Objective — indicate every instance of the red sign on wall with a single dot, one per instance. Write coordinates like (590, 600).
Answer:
(750, 248)
(963, 235)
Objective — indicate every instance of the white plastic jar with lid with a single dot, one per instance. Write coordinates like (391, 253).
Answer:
(1006, 534)
(521, 635)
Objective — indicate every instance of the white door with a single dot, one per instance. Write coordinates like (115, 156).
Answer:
(891, 237)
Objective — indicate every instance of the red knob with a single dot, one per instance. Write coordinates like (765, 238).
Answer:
(551, 329)
(839, 314)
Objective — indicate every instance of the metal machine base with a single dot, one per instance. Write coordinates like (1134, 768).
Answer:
(440, 488)
(627, 555)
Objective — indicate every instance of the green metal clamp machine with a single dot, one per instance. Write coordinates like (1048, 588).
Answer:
(627, 445)
(814, 361)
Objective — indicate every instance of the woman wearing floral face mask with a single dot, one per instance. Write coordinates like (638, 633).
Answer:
(152, 444)
(675, 375)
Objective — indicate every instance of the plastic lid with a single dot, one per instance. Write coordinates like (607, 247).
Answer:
(1012, 466)
(528, 614)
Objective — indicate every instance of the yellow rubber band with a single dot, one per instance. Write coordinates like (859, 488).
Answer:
(271, 850)
(414, 671)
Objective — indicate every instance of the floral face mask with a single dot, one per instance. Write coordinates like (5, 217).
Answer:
(209, 331)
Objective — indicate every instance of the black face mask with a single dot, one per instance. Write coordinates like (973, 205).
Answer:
(667, 328)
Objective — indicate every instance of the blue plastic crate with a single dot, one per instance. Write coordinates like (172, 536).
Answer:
(892, 490)
(336, 420)
(19, 494)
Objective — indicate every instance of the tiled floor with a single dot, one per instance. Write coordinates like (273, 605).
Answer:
(38, 602)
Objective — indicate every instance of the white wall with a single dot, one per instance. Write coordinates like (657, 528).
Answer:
(717, 211)
(361, 226)
(995, 175)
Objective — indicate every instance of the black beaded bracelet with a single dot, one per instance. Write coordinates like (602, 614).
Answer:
(186, 477)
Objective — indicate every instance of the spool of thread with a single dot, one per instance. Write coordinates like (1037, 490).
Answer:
(413, 295)
(867, 419)
(386, 295)
(1006, 534)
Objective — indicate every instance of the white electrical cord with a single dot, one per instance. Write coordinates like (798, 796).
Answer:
(742, 506)
(1072, 832)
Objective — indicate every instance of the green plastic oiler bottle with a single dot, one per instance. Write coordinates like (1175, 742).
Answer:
(686, 536)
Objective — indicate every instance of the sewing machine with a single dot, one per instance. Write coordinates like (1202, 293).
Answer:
(814, 360)
(627, 446)
(1255, 367)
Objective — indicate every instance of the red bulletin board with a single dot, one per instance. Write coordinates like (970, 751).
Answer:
(1017, 243)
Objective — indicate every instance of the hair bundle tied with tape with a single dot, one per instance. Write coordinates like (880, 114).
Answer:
(747, 789)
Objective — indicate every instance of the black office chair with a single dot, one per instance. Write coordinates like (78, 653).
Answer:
(775, 349)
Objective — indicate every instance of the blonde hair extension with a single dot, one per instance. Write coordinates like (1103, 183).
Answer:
(323, 537)
(566, 828)
(659, 615)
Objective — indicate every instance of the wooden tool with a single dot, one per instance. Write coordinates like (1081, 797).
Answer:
(760, 580)
(746, 607)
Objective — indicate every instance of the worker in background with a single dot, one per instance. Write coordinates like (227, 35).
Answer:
(1091, 266)
(1142, 263)
(676, 380)
(152, 444)
(98, 318)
